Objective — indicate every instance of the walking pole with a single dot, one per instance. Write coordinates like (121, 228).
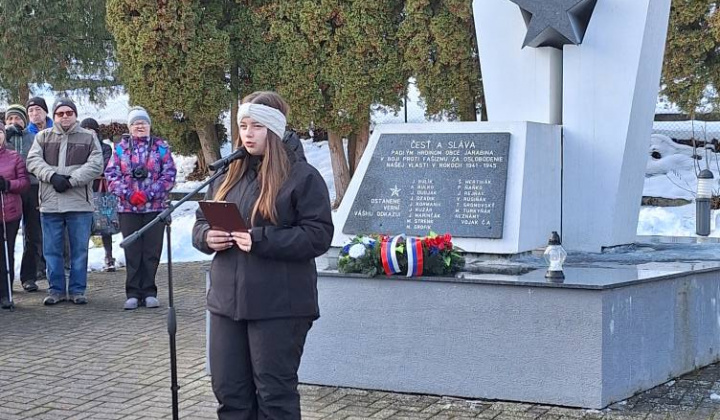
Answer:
(7, 254)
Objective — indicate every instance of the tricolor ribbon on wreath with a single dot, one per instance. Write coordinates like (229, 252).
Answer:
(415, 256)
(388, 255)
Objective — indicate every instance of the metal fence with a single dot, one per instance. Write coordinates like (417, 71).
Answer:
(681, 127)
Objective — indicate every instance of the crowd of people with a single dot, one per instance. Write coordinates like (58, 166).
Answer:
(50, 166)
(263, 296)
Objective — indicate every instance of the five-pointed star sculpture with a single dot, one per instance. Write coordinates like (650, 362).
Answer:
(395, 191)
(554, 23)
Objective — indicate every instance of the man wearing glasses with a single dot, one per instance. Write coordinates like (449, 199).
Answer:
(20, 138)
(66, 159)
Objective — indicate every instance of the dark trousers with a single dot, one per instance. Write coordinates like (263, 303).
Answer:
(254, 367)
(142, 257)
(107, 244)
(12, 229)
(33, 261)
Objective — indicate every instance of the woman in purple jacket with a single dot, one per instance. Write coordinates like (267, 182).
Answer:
(13, 180)
(141, 174)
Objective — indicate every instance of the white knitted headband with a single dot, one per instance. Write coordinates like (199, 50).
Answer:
(268, 116)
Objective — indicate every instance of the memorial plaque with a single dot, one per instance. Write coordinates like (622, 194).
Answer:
(441, 182)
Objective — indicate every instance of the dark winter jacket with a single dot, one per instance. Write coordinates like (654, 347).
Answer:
(292, 140)
(278, 277)
(135, 152)
(12, 168)
(107, 155)
(22, 144)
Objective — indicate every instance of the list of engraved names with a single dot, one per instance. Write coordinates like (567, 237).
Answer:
(417, 183)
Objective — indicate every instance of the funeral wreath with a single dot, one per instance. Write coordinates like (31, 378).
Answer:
(431, 255)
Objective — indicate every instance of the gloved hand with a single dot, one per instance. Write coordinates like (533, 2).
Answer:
(4, 185)
(138, 198)
(61, 183)
(13, 130)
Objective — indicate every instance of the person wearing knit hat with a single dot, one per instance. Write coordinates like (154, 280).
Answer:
(16, 114)
(38, 115)
(37, 101)
(138, 113)
(91, 124)
(13, 182)
(66, 178)
(60, 102)
(18, 137)
(141, 174)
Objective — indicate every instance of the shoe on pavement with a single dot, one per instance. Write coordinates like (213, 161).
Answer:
(79, 299)
(53, 299)
(109, 266)
(152, 302)
(130, 304)
(30, 286)
(5, 303)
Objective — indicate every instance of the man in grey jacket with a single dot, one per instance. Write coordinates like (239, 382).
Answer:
(66, 159)
(20, 138)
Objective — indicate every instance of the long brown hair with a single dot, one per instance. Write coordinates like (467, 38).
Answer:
(275, 166)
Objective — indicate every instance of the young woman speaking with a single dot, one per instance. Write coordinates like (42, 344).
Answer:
(263, 291)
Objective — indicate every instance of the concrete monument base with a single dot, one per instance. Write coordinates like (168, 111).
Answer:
(603, 335)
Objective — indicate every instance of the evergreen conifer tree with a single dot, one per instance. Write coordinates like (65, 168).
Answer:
(62, 43)
(173, 60)
(692, 54)
(439, 46)
(254, 61)
(337, 58)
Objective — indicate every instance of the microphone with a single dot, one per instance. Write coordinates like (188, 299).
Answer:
(221, 163)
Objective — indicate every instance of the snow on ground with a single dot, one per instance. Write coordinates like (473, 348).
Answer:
(673, 221)
(671, 168)
(318, 155)
(671, 173)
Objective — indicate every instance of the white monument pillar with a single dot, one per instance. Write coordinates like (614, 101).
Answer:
(609, 85)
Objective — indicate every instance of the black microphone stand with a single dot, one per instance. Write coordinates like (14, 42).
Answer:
(164, 217)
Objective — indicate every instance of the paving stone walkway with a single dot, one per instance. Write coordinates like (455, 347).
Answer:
(99, 362)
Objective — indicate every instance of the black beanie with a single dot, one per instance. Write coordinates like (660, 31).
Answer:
(90, 124)
(64, 102)
(37, 101)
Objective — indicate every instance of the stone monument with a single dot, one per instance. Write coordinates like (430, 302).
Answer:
(586, 74)
(570, 87)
